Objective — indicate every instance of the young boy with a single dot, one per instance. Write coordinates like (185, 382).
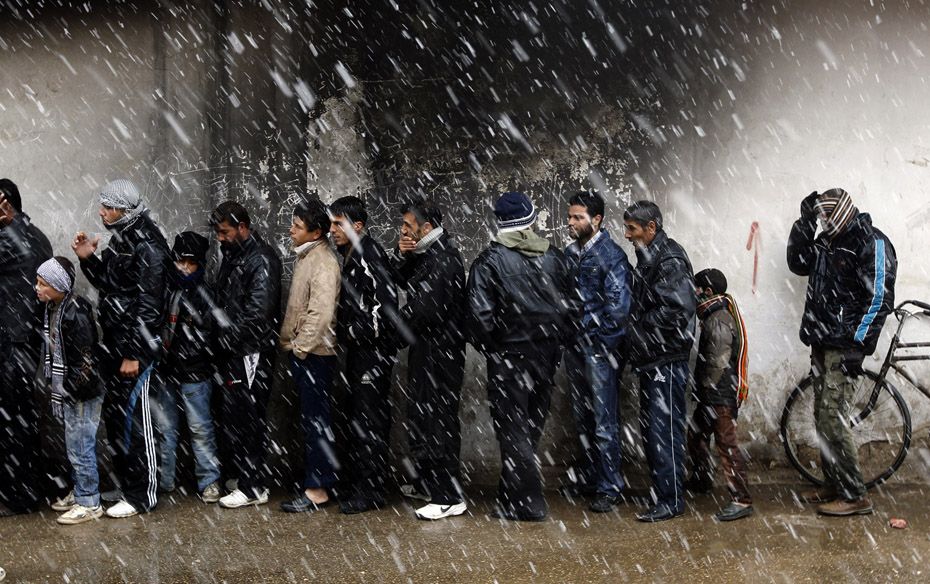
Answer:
(308, 334)
(721, 387)
(70, 335)
(184, 372)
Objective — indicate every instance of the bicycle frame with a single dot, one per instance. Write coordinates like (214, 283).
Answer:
(892, 360)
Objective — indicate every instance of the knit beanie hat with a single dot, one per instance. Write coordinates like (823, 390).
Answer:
(837, 208)
(122, 194)
(190, 246)
(514, 212)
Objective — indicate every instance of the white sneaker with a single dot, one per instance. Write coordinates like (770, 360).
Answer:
(231, 484)
(211, 494)
(65, 503)
(121, 510)
(411, 492)
(81, 514)
(114, 496)
(433, 511)
(2, 573)
(238, 499)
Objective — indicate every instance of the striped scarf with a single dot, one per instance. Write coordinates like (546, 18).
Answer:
(55, 367)
(837, 211)
(742, 361)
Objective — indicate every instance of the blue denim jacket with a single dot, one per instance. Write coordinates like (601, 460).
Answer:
(603, 287)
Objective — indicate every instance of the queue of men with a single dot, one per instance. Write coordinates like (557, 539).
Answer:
(174, 344)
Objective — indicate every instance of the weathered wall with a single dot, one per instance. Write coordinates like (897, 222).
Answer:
(725, 116)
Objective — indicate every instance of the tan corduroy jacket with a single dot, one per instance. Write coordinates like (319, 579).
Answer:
(310, 320)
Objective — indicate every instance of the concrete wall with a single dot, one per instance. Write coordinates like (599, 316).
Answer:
(723, 116)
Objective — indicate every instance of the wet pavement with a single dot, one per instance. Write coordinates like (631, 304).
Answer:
(187, 541)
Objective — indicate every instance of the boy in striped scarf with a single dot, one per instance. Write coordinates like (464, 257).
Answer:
(720, 388)
(70, 336)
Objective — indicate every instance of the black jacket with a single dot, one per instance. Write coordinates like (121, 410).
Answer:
(248, 298)
(130, 278)
(23, 248)
(79, 334)
(434, 283)
(850, 287)
(662, 315)
(518, 302)
(367, 313)
(188, 352)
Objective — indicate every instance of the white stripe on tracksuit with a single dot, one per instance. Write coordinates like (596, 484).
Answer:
(149, 440)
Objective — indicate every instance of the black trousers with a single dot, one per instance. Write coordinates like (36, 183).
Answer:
(435, 372)
(127, 415)
(520, 391)
(364, 420)
(20, 489)
(245, 388)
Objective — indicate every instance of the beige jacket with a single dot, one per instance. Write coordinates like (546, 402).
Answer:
(310, 320)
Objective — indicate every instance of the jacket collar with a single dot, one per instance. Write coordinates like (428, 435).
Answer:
(648, 255)
(304, 248)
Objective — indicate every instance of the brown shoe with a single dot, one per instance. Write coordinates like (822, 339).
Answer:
(821, 495)
(842, 507)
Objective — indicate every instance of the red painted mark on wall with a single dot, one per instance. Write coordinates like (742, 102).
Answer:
(754, 238)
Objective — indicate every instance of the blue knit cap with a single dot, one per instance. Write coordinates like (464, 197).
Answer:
(514, 212)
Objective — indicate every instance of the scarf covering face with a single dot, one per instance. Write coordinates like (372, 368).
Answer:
(122, 194)
(742, 361)
(54, 355)
(428, 240)
(837, 210)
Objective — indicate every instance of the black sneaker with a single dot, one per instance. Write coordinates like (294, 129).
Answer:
(733, 511)
(605, 503)
(656, 514)
(499, 513)
(357, 505)
(302, 504)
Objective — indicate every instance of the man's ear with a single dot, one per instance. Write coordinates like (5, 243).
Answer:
(358, 226)
(652, 228)
(597, 221)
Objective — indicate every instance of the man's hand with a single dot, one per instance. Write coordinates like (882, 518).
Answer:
(83, 246)
(809, 206)
(129, 369)
(406, 244)
(851, 363)
(7, 212)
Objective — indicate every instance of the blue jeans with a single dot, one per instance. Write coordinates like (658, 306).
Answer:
(195, 398)
(662, 412)
(81, 421)
(313, 378)
(594, 397)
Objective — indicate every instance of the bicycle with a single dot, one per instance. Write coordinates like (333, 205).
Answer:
(881, 420)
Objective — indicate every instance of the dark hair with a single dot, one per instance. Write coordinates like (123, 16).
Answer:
(11, 191)
(313, 213)
(590, 200)
(230, 212)
(711, 278)
(350, 207)
(68, 267)
(424, 210)
(643, 212)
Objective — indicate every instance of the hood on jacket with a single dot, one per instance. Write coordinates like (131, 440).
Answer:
(525, 241)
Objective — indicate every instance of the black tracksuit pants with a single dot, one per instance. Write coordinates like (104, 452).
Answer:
(519, 391)
(364, 416)
(19, 429)
(127, 416)
(435, 372)
(246, 386)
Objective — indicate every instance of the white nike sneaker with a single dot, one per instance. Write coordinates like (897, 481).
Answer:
(65, 503)
(433, 511)
(122, 510)
(238, 499)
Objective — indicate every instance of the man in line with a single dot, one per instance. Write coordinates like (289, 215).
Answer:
(366, 322)
(308, 335)
(432, 273)
(602, 289)
(248, 296)
(23, 248)
(661, 333)
(851, 268)
(519, 297)
(129, 276)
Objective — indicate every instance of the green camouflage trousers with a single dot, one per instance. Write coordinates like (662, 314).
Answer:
(833, 392)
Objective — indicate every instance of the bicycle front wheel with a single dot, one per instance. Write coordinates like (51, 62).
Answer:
(879, 419)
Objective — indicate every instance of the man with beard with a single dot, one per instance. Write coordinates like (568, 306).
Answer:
(602, 288)
(248, 296)
(661, 333)
(432, 273)
(23, 248)
(130, 278)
